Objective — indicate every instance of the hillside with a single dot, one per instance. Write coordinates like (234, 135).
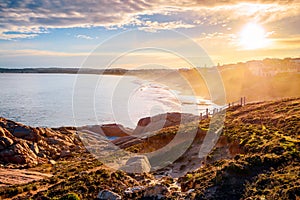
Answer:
(262, 80)
(256, 157)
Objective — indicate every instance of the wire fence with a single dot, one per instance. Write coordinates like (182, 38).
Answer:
(210, 112)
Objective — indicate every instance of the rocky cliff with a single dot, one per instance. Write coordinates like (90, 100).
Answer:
(24, 145)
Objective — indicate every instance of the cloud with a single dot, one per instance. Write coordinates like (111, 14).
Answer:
(34, 52)
(28, 18)
(84, 37)
(155, 26)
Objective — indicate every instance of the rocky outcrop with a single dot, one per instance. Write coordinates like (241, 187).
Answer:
(156, 123)
(108, 195)
(137, 164)
(24, 145)
(19, 153)
(109, 130)
(5, 142)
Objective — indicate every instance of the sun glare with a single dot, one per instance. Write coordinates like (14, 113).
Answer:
(253, 36)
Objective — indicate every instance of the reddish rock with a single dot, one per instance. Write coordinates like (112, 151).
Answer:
(144, 121)
(20, 144)
(109, 130)
(235, 148)
(65, 153)
(156, 123)
(19, 153)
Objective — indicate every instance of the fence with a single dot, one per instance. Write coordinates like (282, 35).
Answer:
(211, 112)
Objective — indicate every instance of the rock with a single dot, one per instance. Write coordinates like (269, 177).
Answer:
(21, 131)
(52, 162)
(108, 195)
(57, 141)
(21, 144)
(65, 153)
(157, 122)
(34, 147)
(33, 136)
(109, 130)
(6, 141)
(19, 153)
(156, 192)
(144, 121)
(4, 132)
(136, 189)
(137, 164)
(41, 155)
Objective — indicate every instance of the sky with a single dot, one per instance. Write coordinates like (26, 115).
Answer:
(64, 33)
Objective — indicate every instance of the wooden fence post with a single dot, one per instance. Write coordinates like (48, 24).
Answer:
(207, 112)
(241, 101)
(244, 100)
(200, 116)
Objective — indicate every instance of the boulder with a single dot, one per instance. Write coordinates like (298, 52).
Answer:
(21, 131)
(137, 164)
(33, 136)
(108, 195)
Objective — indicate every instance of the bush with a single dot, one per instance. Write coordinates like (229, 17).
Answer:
(70, 196)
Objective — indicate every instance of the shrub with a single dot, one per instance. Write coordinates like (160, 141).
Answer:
(70, 196)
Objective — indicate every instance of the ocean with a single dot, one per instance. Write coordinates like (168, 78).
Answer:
(54, 100)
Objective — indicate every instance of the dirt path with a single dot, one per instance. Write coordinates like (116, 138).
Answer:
(20, 176)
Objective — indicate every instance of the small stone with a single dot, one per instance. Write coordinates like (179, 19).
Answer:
(65, 153)
(108, 195)
(41, 155)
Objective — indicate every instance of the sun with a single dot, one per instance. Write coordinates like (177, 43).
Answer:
(253, 36)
